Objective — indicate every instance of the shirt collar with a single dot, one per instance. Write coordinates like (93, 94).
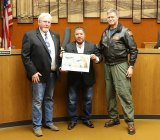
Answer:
(82, 45)
(43, 33)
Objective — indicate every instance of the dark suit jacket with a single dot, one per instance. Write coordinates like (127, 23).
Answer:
(35, 54)
(87, 77)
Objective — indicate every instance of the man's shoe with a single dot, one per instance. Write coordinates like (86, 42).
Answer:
(71, 125)
(52, 127)
(38, 132)
(111, 123)
(89, 124)
(131, 129)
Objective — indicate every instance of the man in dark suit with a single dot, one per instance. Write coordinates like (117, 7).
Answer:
(40, 56)
(81, 82)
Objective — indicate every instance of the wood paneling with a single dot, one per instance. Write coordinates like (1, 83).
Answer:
(158, 11)
(24, 11)
(125, 8)
(40, 6)
(54, 10)
(14, 8)
(16, 96)
(136, 11)
(62, 8)
(149, 8)
(149, 44)
(91, 8)
(15, 101)
(75, 11)
(105, 5)
(146, 81)
(15, 89)
(93, 29)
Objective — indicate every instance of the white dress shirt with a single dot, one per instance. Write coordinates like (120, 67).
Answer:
(52, 54)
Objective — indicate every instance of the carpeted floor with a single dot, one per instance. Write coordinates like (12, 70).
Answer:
(145, 130)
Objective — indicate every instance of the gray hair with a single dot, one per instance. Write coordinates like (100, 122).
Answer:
(112, 10)
(79, 28)
(44, 15)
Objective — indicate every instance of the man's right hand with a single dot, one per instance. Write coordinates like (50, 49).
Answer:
(35, 77)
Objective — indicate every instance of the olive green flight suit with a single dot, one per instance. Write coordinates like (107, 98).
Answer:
(118, 84)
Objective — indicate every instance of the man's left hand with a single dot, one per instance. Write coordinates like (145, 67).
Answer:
(129, 72)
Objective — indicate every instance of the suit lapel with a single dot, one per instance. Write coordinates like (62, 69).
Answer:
(74, 48)
(42, 40)
(86, 47)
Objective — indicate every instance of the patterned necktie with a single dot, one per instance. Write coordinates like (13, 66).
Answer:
(47, 43)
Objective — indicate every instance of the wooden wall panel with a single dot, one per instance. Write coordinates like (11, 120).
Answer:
(75, 11)
(105, 6)
(136, 11)
(91, 8)
(62, 8)
(16, 96)
(125, 8)
(54, 10)
(40, 6)
(145, 82)
(14, 8)
(158, 11)
(15, 101)
(149, 8)
(24, 11)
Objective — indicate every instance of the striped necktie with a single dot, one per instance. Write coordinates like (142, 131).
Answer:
(47, 43)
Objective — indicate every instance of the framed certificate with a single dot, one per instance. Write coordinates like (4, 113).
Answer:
(75, 62)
